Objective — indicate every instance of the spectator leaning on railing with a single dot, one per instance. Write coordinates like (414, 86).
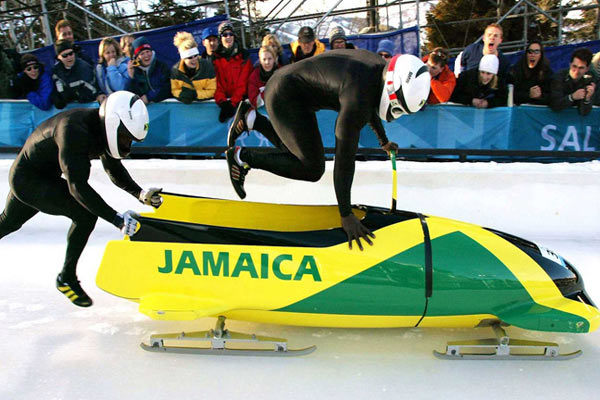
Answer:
(34, 83)
(192, 78)
(532, 76)
(112, 68)
(74, 79)
(443, 80)
(149, 76)
(575, 86)
(233, 67)
(482, 87)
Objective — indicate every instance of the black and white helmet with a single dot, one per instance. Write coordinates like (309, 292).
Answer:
(406, 87)
(125, 119)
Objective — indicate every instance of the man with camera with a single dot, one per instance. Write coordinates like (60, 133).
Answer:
(576, 85)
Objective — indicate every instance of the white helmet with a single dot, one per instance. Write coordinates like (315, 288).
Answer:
(125, 118)
(406, 87)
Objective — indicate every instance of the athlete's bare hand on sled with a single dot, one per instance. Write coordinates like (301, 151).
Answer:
(356, 231)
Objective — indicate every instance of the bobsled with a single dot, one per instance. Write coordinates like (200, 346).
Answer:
(197, 257)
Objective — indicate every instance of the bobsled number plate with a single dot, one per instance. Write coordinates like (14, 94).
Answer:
(552, 256)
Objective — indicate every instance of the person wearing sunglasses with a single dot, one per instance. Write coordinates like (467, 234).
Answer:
(74, 79)
(233, 67)
(385, 49)
(34, 82)
(532, 76)
(149, 75)
(192, 77)
(443, 80)
(575, 86)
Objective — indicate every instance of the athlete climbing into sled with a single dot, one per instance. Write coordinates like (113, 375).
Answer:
(361, 86)
(64, 145)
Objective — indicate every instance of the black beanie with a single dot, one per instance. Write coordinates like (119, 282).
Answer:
(62, 45)
(27, 60)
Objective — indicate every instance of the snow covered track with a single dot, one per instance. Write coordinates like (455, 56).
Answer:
(52, 350)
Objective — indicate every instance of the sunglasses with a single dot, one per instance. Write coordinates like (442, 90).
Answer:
(534, 51)
(385, 55)
(191, 57)
(32, 68)
(227, 34)
(67, 54)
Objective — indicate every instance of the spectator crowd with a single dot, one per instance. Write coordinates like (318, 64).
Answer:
(221, 69)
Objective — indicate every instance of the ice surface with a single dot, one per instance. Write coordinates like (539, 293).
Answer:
(50, 349)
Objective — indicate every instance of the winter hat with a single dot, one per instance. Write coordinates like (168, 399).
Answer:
(489, 63)
(336, 33)
(62, 45)
(140, 44)
(225, 26)
(306, 34)
(386, 46)
(27, 60)
(210, 31)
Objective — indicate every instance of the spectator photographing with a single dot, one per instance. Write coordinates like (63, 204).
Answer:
(112, 68)
(443, 80)
(574, 86)
(532, 76)
(210, 41)
(338, 39)
(307, 45)
(149, 76)
(481, 88)
(192, 78)
(73, 79)
(233, 68)
(385, 49)
(34, 83)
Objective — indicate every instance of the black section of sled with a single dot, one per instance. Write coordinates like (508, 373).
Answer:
(428, 257)
(155, 230)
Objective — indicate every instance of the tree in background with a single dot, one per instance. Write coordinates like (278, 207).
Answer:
(456, 36)
(168, 12)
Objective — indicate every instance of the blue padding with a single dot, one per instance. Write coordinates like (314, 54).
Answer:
(437, 127)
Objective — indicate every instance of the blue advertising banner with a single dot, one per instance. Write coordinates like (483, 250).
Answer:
(444, 126)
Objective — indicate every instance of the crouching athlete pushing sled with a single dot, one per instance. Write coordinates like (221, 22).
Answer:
(64, 145)
(361, 86)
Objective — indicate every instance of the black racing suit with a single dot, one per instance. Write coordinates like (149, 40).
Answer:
(64, 145)
(347, 81)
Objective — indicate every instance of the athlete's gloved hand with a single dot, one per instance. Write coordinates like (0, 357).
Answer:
(151, 197)
(356, 231)
(127, 222)
(389, 146)
(227, 110)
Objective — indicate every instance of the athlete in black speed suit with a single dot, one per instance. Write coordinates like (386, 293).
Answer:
(348, 81)
(64, 145)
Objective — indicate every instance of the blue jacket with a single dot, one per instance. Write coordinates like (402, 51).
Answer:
(472, 54)
(77, 84)
(154, 81)
(113, 77)
(38, 92)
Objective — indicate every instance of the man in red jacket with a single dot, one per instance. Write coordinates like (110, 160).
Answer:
(443, 80)
(233, 68)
